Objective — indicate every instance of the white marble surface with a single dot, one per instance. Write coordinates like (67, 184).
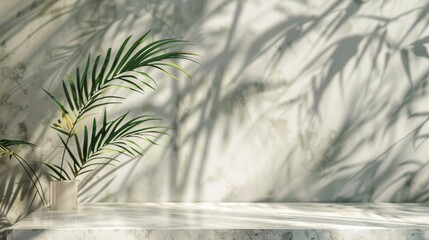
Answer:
(227, 221)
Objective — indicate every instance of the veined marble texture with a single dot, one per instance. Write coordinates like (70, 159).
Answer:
(228, 221)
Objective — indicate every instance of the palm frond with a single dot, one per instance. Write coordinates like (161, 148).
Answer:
(89, 91)
(120, 135)
(8, 143)
(86, 92)
(5, 145)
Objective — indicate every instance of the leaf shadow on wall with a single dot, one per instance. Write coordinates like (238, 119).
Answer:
(363, 179)
(342, 169)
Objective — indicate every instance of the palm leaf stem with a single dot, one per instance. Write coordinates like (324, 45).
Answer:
(64, 153)
(79, 149)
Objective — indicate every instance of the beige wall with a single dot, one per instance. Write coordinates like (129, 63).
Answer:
(295, 100)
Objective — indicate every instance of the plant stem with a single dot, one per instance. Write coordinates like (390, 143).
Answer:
(79, 151)
(64, 153)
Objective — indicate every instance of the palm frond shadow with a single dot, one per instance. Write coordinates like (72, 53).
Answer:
(27, 16)
(391, 175)
(393, 168)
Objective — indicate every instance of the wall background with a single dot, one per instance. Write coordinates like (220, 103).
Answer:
(298, 100)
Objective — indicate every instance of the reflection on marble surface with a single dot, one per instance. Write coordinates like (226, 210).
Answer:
(227, 221)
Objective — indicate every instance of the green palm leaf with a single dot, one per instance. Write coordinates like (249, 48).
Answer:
(89, 91)
(5, 149)
(120, 135)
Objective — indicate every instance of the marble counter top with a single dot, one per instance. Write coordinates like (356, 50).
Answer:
(227, 221)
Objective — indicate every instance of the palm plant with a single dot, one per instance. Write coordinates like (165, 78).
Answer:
(95, 141)
(5, 149)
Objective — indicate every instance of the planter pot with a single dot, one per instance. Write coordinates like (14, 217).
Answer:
(63, 195)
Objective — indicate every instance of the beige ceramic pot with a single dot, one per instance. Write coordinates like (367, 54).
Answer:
(63, 195)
